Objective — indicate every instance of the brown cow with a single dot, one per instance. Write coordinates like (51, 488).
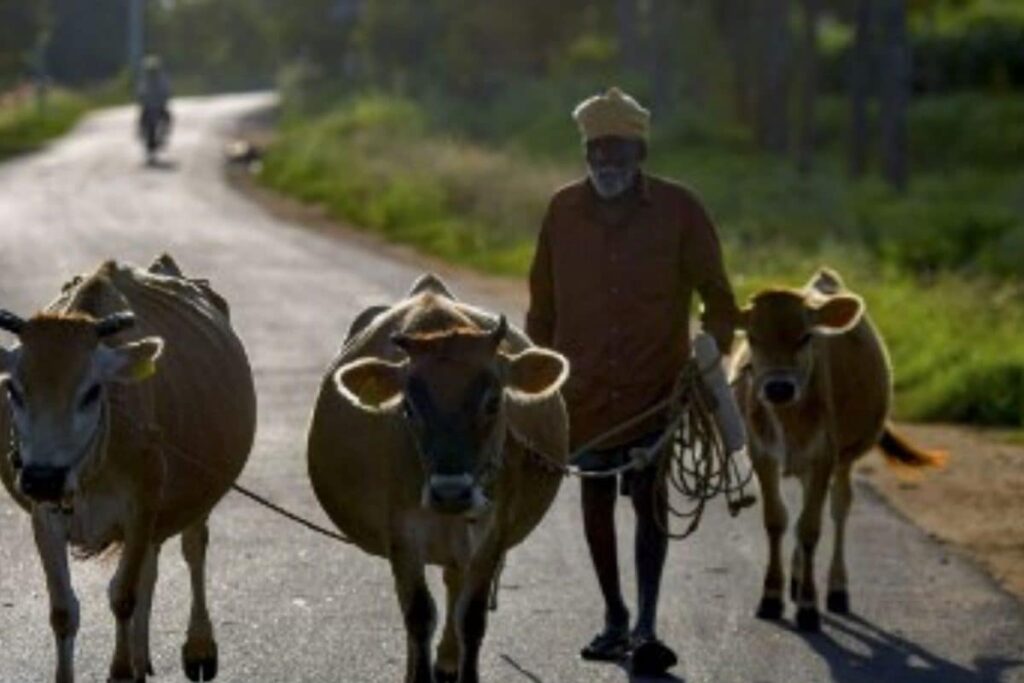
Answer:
(422, 449)
(814, 383)
(103, 459)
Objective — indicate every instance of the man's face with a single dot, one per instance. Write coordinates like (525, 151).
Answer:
(613, 164)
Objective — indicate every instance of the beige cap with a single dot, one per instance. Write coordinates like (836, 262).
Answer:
(613, 113)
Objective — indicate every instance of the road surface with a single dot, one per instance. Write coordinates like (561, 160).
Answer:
(291, 606)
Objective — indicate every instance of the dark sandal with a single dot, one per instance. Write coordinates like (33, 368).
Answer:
(608, 646)
(652, 658)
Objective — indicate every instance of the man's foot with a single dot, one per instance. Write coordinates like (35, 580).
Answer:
(611, 645)
(651, 657)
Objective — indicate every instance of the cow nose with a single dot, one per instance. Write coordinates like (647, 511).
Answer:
(43, 484)
(451, 493)
(780, 391)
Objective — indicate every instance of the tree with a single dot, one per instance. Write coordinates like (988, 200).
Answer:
(895, 92)
(20, 26)
(773, 74)
(808, 84)
(861, 69)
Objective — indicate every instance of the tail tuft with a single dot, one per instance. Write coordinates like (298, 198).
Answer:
(899, 452)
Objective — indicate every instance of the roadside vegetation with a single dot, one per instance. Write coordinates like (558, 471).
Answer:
(939, 265)
(25, 125)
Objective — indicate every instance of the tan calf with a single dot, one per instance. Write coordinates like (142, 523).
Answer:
(131, 408)
(422, 449)
(814, 383)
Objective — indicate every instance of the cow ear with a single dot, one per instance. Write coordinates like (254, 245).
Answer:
(534, 374)
(837, 314)
(372, 384)
(131, 362)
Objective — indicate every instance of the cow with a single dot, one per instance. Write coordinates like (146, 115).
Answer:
(131, 411)
(813, 380)
(437, 438)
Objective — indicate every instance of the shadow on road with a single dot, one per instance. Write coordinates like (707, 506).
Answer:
(161, 165)
(893, 658)
(528, 675)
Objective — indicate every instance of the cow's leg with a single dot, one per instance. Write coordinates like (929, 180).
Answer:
(419, 613)
(842, 499)
(815, 489)
(124, 588)
(796, 572)
(446, 670)
(50, 531)
(199, 654)
(775, 521)
(141, 659)
(471, 612)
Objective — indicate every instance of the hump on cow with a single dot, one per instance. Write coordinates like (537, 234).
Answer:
(447, 415)
(814, 382)
(121, 441)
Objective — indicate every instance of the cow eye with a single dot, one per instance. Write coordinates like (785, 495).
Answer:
(15, 396)
(91, 396)
(806, 339)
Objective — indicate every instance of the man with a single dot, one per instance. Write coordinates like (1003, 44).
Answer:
(154, 95)
(619, 256)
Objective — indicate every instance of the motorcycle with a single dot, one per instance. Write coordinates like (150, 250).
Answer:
(154, 129)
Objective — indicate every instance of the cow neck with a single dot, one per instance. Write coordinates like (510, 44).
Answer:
(96, 452)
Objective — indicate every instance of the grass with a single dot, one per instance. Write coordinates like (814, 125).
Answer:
(940, 267)
(24, 127)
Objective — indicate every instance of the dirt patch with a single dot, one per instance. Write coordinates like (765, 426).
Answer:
(976, 502)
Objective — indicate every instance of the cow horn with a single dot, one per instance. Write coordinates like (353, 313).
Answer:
(114, 323)
(500, 330)
(11, 322)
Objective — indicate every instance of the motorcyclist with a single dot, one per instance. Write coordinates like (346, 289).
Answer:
(154, 95)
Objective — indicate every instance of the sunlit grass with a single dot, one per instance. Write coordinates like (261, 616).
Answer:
(955, 339)
(25, 127)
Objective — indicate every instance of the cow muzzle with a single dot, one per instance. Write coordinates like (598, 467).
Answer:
(454, 494)
(43, 484)
(779, 389)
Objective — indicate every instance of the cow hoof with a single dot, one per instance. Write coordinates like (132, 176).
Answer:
(200, 666)
(808, 619)
(838, 602)
(442, 676)
(770, 609)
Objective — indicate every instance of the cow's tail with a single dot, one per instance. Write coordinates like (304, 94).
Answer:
(901, 453)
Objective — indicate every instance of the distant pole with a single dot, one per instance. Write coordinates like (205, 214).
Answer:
(136, 36)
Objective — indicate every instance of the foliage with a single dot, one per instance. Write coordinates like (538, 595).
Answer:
(24, 127)
(409, 174)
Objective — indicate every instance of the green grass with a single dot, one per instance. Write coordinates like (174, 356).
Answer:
(939, 267)
(24, 128)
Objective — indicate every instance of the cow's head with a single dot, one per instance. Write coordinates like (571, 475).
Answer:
(781, 326)
(452, 390)
(55, 380)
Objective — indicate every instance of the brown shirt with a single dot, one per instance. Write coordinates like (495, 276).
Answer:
(611, 287)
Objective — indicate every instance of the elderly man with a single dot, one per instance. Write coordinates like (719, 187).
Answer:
(619, 256)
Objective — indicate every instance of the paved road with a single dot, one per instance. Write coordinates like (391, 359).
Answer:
(290, 606)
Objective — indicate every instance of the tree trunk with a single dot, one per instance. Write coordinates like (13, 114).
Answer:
(661, 66)
(895, 82)
(808, 85)
(629, 36)
(861, 68)
(772, 24)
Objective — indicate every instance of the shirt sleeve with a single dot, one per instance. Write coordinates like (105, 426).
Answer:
(708, 267)
(540, 316)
